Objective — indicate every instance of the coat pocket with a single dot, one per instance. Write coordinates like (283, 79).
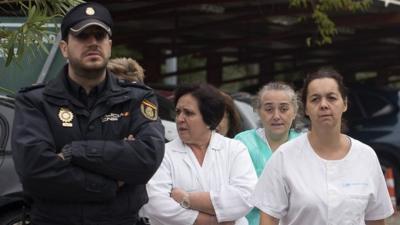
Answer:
(354, 209)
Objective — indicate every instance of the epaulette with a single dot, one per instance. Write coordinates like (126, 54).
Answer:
(127, 83)
(32, 87)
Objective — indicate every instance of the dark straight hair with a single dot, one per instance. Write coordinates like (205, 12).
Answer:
(209, 99)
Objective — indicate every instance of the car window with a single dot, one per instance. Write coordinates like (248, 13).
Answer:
(250, 119)
(375, 105)
(355, 110)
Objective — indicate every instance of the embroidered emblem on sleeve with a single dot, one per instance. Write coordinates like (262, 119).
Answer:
(66, 117)
(149, 110)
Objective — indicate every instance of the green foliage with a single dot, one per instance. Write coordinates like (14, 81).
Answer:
(320, 11)
(31, 35)
(6, 90)
(299, 3)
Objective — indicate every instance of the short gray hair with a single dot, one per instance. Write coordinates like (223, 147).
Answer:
(277, 86)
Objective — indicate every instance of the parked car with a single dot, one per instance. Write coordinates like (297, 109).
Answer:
(12, 201)
(373, 117)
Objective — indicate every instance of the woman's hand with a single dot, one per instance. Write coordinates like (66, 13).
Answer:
(178, 194)
(266, 219)
(375, 222)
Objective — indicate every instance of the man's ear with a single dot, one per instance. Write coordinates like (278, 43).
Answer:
(63, 45)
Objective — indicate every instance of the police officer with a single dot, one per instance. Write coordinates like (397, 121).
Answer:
(85, 144)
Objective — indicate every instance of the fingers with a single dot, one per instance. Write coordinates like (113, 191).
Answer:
(129, 138)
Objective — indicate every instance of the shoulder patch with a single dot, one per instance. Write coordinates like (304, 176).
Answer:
(32, 87)
(149, 109)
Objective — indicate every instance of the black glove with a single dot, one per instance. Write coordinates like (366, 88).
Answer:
(67, 152)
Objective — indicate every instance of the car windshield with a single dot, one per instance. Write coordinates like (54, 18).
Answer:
(250, 119)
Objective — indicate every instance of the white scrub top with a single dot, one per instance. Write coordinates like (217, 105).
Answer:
(299, 187)
(227, 173)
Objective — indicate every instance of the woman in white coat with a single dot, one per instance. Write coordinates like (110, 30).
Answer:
(204, 178)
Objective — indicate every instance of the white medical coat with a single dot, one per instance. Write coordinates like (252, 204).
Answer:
(227, 173)
(299, 187)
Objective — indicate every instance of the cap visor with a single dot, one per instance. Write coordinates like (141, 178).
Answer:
(75, 30)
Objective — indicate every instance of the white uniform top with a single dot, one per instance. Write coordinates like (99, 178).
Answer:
(227, 173)
(299, 187)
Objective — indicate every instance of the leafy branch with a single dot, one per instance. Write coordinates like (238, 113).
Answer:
(33, 32)
(321, 9)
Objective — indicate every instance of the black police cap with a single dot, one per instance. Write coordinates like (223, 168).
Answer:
(85, 15)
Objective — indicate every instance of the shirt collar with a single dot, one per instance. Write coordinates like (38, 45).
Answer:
(77, 90)
(216, 143)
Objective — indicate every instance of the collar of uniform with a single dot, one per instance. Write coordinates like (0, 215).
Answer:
(216, 143)
(58, 86)
(79, 92)
(113, 82)
(57, 89)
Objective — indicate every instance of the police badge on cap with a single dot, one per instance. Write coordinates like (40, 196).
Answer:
(84, 15)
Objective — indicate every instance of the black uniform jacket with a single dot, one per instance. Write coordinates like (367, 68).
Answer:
(84, 189)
